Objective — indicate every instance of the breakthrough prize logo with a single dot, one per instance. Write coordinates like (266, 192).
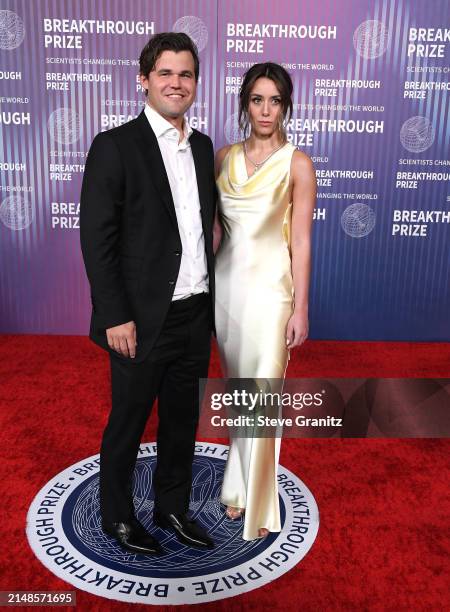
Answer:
(231, 129)
(417, 134)
(358, 220)
(63, 529)
(12, 31)
(371, 39)
(16, 213)
(64, 126)
(194, 28)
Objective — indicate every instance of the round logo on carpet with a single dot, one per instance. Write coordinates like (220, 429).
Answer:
(64, 531)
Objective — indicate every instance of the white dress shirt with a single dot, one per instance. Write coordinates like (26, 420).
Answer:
(179, 164)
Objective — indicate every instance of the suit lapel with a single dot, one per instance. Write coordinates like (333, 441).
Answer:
(149, 147)
(201, 169)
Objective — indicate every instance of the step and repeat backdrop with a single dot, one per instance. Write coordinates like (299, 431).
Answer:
(371, 107)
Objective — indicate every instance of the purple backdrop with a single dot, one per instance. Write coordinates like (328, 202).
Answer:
(370, 106)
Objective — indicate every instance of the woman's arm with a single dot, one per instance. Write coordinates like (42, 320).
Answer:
(304, 190)
(217, 229)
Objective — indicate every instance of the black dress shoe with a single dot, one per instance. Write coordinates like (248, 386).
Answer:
(133, 536)
(186, 529)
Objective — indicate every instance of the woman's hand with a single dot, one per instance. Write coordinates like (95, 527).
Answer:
(297, 328)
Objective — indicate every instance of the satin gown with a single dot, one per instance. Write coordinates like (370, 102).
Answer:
(254, 301)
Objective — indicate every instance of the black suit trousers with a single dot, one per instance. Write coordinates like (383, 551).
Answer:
(170, 373)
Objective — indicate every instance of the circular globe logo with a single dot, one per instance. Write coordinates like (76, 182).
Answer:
(417, 134)
(63, 529)
(194, 28)
(64, 126)
(371, 39)
(231, 129)
(16, 213)
(12, 31)
(358, 220)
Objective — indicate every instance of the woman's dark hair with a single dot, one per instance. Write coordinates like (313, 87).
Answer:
(283, 83)
(166, 41)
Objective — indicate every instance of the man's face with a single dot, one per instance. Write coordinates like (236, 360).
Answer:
(171, 84)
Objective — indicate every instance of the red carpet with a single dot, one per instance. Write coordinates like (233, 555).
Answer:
(383, 541)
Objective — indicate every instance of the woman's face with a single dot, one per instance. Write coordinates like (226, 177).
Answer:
(265, 107)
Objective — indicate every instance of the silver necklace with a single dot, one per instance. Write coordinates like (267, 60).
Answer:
(258, 165)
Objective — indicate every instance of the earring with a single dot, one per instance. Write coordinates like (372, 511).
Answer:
(243, 125)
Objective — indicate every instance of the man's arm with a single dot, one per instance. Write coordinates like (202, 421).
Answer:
(101, 203)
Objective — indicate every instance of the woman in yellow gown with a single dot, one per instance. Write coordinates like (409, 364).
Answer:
(267, 192)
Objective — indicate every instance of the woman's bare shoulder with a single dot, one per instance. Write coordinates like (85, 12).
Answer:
(220, 156)
(302, 162)
(222, 153)
(303, 173)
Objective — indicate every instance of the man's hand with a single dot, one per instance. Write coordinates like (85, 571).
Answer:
(122, 338)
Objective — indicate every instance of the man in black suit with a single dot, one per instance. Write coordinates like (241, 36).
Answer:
(147, 209)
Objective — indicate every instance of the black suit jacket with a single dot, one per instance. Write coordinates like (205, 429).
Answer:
(129, 232)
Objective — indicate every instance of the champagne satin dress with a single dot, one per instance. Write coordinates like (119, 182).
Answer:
(254, 301)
